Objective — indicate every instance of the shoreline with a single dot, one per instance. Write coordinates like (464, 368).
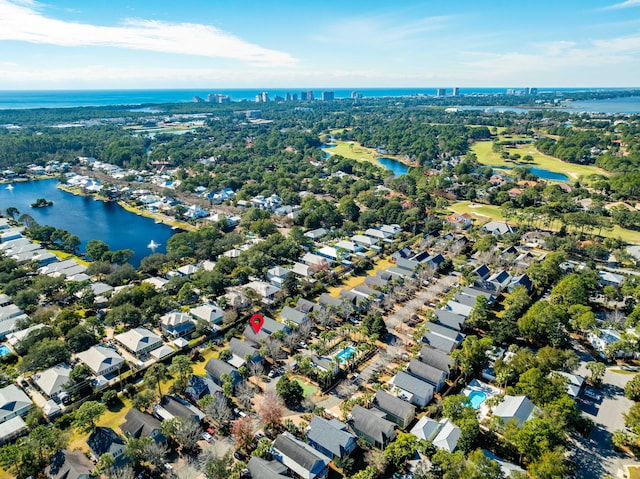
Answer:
(159, 218)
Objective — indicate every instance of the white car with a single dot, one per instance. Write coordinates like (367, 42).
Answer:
(206, 436)
(592, 394)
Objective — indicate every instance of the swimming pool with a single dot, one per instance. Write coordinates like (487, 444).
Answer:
(4, 350)
(476, 398)
(345, 353)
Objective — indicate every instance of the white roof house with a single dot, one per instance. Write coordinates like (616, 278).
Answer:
(514, 408)
(265, 290)
(443, 434)
(176, 324)
(101, 360)
(607, 278)
(207, 312)
(13, 402)
(139, 340)
(52, 381)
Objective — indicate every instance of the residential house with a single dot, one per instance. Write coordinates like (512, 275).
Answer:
(176, 324)
(365, 241)
(329, 301)
(475, 292)
(306, 306)
(217, 370)
(497, 228)
(371, 426)
(262, 469)
(575, 384)
(298, 318)
(52, 381)
(606, 278)
(601, 338)
(208, 312)
(396, 410)
(459, 308)
(315, 261)
(482, 271)
(269, 326)
(450, 319)
(436, 358)
(101, 360)
(300, 458)
(460, 221)
(442, 434)
(330, 437)
(498, 281)
(516, 409)
(199, 387)
(303, 270)
(104, 440)
(66, 464)
(242, 353)
(520, 280)
(141, 424)
(508, 468)
(277, 275)
(447, 333)
(430, 374)
(13, 428)
(172, 406)
(13, 402)
(139, 341)
(316, 234)
(325, 363)
(265, 291)
(392, 230)
(412, 389)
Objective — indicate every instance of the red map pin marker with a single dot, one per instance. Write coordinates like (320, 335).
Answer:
(256, 322)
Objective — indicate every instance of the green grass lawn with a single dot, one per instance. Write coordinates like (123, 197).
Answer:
(483, 213)
(486, 156)
(308, 389)
(355, 151)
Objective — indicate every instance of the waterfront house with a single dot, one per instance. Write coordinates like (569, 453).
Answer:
(371, 426)
(101, 360)
(412, 389)
(104, 440)
(300, 458)
(66, 464)
(396, 410)
(330, 437)
(139, 341)
(176, 324)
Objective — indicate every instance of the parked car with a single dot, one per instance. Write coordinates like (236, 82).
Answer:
(206, 436)
(592, 394)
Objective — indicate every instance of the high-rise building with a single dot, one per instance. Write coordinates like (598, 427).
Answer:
(294, 97)
(287, 97)
(218, 98)
(356, 95)
(197, 99)
(327, 96)
(441, 92)
(531, 91)
(306, 95)
(456, 91)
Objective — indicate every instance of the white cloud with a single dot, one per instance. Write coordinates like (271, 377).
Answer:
(625, 4)
(377, 30)
(20, 20)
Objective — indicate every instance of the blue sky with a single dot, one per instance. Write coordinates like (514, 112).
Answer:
(350, 43)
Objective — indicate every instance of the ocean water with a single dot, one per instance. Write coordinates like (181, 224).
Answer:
(16, 99)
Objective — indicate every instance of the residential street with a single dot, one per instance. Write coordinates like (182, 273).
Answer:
(595, 455)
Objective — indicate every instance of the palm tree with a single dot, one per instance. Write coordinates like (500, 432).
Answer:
(155, 375)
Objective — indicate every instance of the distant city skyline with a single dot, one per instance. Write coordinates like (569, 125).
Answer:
(72, 44)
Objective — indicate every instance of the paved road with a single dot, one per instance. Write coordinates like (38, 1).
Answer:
(595, 455)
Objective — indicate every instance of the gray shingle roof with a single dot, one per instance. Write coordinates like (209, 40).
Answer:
(373, 426)
(138, 423)
(436, 358)
(424, 371)
(69, 465)
(393, 405)
(331, 435)
(302, 454)
(104, 440)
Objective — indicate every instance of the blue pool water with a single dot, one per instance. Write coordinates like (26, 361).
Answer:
(345, 353)
(476, 398)
(4, 350)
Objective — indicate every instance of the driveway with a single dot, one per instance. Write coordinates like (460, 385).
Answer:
(595, 455)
